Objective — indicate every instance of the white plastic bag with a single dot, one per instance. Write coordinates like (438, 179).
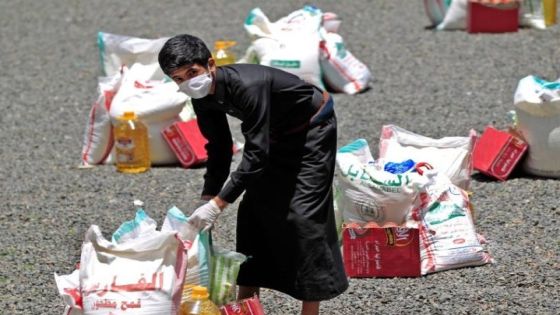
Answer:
(448, 239)
(141, 226)
(118, 50)
(143, 275)
(342, 71)
(455, 17)
(290, 44)
(451, 155)
(198, 258)
(537, 105)
(436, 10)
(97, 145)
(368, 193)
(532, 14)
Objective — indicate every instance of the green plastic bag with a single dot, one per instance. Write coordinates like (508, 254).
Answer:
(225, 268)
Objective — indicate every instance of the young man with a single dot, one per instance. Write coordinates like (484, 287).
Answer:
(285, 222)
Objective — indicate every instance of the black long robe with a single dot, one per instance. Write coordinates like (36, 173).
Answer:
(285, 221)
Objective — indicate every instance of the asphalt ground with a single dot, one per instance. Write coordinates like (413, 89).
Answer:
(433, 83)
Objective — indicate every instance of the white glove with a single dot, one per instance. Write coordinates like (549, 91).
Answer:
(204, 217)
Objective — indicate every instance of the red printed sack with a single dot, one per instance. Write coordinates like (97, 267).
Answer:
(374, 251)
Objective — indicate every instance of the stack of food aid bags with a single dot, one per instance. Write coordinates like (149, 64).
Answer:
(306, 43)
(143, 270)
(132, 80)
(496, 15)
(407, 213)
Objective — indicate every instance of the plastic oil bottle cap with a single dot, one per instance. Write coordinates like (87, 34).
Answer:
(199, 292)
(128, 116)
(223, 44)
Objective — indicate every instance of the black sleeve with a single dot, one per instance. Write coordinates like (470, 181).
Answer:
(255, 102)
(214, 126)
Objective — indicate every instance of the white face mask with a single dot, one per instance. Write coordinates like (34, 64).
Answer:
(197, 87)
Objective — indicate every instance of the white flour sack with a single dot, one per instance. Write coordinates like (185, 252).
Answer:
(290, 44)
(97, 145)
(368, 193)
(160, 151)
(451, 155)
(69, 289)
(537, 105)
(151, 100)
(116, 51)
(448, 239)
(157, 104)
(142, 276)
(342, 71)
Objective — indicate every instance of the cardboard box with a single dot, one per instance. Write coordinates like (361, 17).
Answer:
(186, 140)
(493, 16)
(496, 153)
(373, 251)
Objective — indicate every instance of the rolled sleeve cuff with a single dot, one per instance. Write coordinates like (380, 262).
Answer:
(231, 192)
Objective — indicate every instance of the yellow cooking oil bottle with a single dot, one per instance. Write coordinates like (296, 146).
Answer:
(549, 12)
(198, 303)
(222, 53)
(131, 144)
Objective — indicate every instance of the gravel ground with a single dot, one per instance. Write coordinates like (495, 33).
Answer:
(434, 83)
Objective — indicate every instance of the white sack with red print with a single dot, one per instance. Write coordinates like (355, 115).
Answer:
(97, 145)
(157, 103)
(342, 72)
(141, 276)
(116, 51)
(448, 239)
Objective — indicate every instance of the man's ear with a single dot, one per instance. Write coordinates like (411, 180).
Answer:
(211, 64)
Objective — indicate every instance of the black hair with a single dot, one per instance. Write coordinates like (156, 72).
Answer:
(183, 50)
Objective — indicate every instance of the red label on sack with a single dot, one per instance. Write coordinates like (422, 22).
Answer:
(399, 236)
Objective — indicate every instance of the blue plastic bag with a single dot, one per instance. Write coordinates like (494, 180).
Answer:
(399, 168)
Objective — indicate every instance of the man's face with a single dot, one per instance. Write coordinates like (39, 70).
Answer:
(190, 71)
